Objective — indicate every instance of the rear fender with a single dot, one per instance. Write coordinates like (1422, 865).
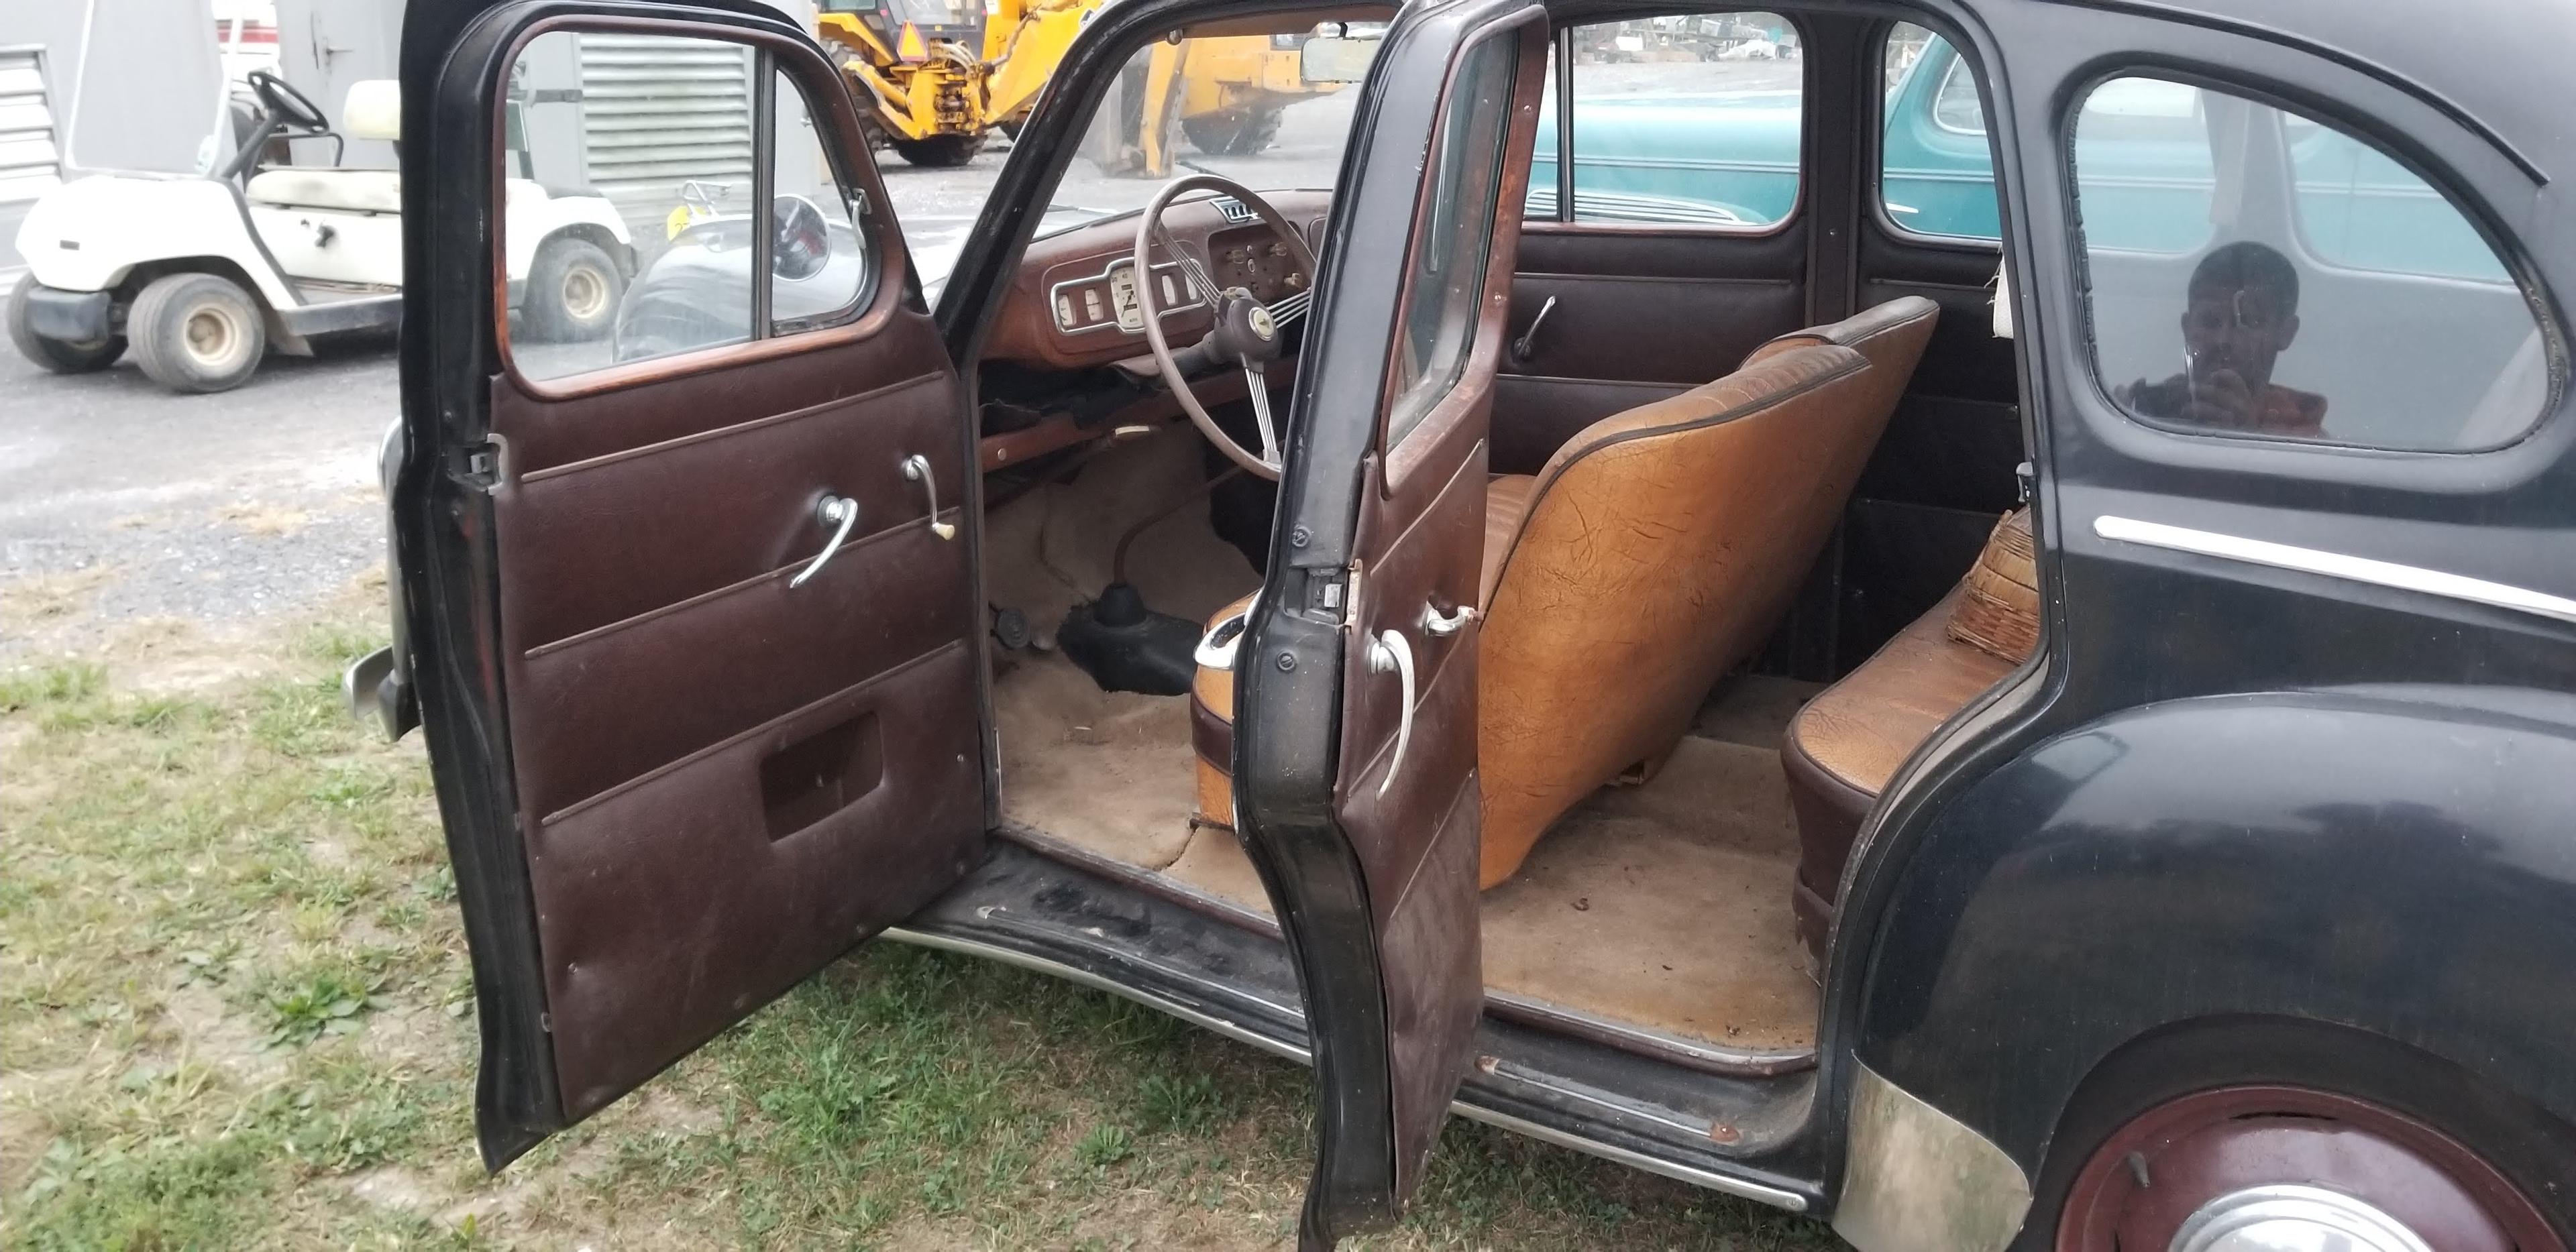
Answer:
(92, 234)
(2392, 859)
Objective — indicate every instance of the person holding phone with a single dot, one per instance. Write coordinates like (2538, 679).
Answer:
(2241, 310)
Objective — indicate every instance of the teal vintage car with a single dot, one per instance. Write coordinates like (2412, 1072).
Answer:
(2142, 156)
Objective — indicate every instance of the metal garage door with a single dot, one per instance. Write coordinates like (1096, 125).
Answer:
(29, 162)
(657, 112)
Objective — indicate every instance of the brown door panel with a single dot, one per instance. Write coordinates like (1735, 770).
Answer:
(671, 908)
(615, 538)
(597, 711)
(1534, 416)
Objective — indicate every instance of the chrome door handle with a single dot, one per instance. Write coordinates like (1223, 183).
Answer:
(1440, 627)
(1216, 648)
(836, 511)
(1389, 651)
(917, 468)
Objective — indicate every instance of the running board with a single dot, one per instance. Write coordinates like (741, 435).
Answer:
(1740, 1136)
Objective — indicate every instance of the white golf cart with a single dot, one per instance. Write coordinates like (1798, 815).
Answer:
(203, 275)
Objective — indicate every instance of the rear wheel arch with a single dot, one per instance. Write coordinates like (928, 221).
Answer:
(2532, 1148)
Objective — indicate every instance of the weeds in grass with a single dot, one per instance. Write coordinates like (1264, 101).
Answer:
(235, 1011)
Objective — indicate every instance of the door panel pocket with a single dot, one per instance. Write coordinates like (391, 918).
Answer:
(820, 774)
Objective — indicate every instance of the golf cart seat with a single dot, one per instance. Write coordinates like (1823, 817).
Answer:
(372, 111)
(346, 191)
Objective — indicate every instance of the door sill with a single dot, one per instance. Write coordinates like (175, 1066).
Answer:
(1743, 1136)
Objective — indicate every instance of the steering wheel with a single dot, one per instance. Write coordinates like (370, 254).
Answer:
(287, 104)
(1248, 334)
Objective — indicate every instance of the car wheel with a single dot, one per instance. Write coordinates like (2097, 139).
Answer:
(2279, 1166)
(197, 332)
(58, 355)
(573, 291)
(939, 152)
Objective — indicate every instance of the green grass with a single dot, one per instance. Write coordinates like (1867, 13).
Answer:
(235, 1012)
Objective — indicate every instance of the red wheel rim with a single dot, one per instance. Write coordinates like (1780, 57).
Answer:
(2247, 1155)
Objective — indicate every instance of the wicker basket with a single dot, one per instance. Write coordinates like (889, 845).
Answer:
(1998, 609)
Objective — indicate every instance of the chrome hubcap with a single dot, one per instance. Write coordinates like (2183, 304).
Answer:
(2287, 1217)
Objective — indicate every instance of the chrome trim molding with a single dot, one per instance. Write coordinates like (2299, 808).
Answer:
(1916, 1179)
(1741, 1188)
(2336, 565)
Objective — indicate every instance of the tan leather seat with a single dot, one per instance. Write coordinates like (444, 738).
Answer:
(1652, 554)
(1844, 746)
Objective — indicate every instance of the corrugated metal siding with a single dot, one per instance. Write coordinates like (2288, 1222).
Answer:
(658, 111)
(29, 160)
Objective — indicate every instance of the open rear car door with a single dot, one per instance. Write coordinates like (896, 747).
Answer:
(1364, 825)
(695, 611)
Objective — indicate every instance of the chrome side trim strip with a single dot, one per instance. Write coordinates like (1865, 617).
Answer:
(2336, 565)
(1740, 1188)
(1916, 1179)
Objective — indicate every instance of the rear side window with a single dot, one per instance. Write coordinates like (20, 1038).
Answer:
(1936, 173)
(2253, 272)
(1687, 120)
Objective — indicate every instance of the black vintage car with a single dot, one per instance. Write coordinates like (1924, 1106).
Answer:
(2059, 739)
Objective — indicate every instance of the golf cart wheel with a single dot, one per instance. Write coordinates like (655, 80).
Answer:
(939, 152)
(58, 355)
(197, 332)
(573, 291)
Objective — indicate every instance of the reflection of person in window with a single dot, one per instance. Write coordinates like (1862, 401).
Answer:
(2242, 310)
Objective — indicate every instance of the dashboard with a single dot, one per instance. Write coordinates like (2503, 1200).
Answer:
(1074, 303)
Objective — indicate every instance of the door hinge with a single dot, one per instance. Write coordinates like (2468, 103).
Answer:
(485, 466)
(2023, 477)
(1325, 593)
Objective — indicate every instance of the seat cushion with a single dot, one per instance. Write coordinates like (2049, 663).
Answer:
(355, 191)
(1212, 733)
(1844, 746)
(1507, 501)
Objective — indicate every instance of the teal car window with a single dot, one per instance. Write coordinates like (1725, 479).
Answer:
(2293, 282)
(1688, 120)
(1936, 171)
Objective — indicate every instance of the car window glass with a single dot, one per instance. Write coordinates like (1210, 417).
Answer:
(1936, 167)
(1447, 286)
(2317, 289)
(821, 261)
(636, 175)
(1690, 119)
(1272, 112)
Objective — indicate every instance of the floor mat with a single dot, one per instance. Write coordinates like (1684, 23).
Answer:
(1109, 772)
(1666, 906)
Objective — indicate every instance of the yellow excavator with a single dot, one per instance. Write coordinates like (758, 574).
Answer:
(1225, 94)
(943, 76)
(944, 73)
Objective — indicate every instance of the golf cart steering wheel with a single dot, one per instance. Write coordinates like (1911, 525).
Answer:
(1247, 335)
(287, 104)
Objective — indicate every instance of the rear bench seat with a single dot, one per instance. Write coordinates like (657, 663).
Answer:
(1841, 749)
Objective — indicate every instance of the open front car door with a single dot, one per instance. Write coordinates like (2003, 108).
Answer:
(1364, 824)
(679, 536)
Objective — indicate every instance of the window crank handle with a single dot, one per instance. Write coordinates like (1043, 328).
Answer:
(1442, 626)
(839, 512)
(917, 468)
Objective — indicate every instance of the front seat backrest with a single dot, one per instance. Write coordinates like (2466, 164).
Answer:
(1659, 549)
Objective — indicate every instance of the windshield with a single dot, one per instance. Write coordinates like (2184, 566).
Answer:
(1272, 112)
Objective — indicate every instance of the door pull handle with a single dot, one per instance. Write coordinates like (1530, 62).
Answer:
(917, 468)
(1438, 626)
(840, 512)
(1389, 651)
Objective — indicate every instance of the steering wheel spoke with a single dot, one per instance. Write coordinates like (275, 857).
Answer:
(1242, 334)
(1290, 308)
(1256, 385)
